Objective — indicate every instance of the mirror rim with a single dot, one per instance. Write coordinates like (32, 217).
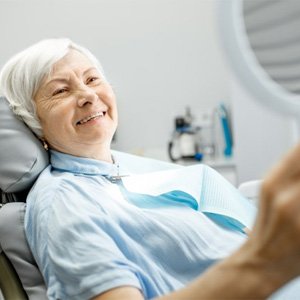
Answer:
(244, 63)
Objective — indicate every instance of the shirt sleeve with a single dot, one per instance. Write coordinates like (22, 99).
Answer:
(84, 249)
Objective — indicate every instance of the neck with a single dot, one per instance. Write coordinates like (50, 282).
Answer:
(99, 154)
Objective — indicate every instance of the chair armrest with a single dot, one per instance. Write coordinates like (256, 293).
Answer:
(10, 284)
(251, 190)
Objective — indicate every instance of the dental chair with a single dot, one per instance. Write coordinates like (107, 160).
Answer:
(22, 158)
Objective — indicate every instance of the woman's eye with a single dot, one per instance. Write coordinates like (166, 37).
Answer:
(59, 91)
(92, 79)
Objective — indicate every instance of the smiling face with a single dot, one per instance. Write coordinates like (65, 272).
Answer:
(77, 108)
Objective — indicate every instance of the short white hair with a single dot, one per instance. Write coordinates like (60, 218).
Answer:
(21, 76)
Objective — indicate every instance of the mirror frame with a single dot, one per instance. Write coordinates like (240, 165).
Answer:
(244, 63)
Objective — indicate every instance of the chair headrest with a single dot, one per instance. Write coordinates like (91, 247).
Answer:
(22, 156)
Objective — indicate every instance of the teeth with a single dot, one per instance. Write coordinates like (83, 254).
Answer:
(98, 114)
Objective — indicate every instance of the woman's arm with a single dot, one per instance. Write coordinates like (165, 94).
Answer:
(270, 257)
(126, 292)
(234, 278)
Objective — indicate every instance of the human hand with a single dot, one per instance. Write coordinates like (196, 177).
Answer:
(275, 239)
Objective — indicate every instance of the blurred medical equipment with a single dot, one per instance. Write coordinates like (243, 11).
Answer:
(223, 118)
(204, 135)
(183, 144)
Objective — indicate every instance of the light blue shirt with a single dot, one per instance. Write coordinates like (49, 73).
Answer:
(89, 235)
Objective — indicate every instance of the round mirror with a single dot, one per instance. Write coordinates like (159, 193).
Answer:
(261, 39)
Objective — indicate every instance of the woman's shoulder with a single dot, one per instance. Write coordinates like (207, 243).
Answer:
(61, 189)
(49, 187)
(49, 182)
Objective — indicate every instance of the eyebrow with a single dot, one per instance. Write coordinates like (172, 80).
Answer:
(62, 79)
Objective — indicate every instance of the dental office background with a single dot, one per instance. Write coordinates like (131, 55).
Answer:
(160, 56)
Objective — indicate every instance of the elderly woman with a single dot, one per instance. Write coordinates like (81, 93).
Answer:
(93, 238)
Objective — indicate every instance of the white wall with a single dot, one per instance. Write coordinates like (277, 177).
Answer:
(160, 55)
(262, 136)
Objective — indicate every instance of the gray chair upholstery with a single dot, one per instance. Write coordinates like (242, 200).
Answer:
(13, 244)
(22, 158)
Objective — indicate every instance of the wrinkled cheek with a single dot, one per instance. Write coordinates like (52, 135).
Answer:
(53, 130)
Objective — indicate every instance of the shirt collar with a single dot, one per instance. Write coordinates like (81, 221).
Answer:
(82, 165)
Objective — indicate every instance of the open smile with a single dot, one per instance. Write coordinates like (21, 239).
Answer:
(94, 116)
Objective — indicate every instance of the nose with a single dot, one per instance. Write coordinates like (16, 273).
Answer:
(86, 95)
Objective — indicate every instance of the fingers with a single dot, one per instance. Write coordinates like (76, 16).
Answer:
(275, 236)
(287, 204)
(281, 183)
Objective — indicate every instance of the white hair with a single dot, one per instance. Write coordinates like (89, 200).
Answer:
(21, 76)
